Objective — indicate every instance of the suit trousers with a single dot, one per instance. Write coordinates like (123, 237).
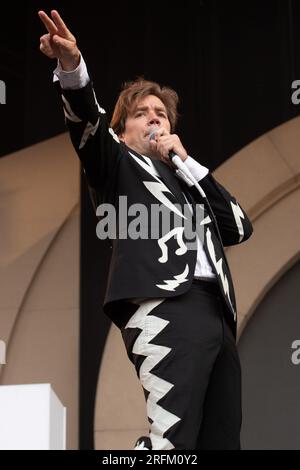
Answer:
(186, 359)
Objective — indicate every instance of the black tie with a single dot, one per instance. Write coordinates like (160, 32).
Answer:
(190, 199)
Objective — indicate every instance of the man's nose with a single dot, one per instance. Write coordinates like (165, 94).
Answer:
(154, 121)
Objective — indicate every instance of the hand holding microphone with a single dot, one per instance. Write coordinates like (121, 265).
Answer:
(166, 145)
(170, 148)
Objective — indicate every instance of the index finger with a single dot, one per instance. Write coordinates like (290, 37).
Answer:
(52, 29)
(161, 132)
(60, 24)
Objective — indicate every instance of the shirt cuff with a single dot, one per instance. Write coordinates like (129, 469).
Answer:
(198, 171)
(74, 79)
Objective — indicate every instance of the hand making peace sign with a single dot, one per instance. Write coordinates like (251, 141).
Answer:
(59, 42)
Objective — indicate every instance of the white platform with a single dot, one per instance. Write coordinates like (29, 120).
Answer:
(31, 418)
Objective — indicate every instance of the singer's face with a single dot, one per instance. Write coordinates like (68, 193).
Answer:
(148, 115)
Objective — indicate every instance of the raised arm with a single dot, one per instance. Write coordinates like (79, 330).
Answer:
(94, 141)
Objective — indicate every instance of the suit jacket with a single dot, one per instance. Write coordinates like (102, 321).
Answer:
(151, 267)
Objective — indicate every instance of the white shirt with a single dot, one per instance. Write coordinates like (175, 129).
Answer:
(79, 78)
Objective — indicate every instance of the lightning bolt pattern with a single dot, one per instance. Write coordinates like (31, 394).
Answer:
(151, 326)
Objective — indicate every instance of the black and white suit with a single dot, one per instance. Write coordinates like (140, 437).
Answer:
(144, 268)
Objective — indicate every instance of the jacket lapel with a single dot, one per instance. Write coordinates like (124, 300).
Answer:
(166, 174)
(170, 179)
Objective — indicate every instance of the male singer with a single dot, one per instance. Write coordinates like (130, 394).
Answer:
(173, 301)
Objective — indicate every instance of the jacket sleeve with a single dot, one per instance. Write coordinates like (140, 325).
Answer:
(234, 224)
(96, 144)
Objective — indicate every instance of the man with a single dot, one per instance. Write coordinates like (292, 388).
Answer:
(173, 302)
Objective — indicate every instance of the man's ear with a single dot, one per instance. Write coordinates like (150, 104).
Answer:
(121, 137)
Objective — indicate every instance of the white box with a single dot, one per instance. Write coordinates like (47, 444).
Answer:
(31, 418)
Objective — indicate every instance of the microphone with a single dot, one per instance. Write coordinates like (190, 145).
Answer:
(182, 169)
(171, 153)
(175, 159)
